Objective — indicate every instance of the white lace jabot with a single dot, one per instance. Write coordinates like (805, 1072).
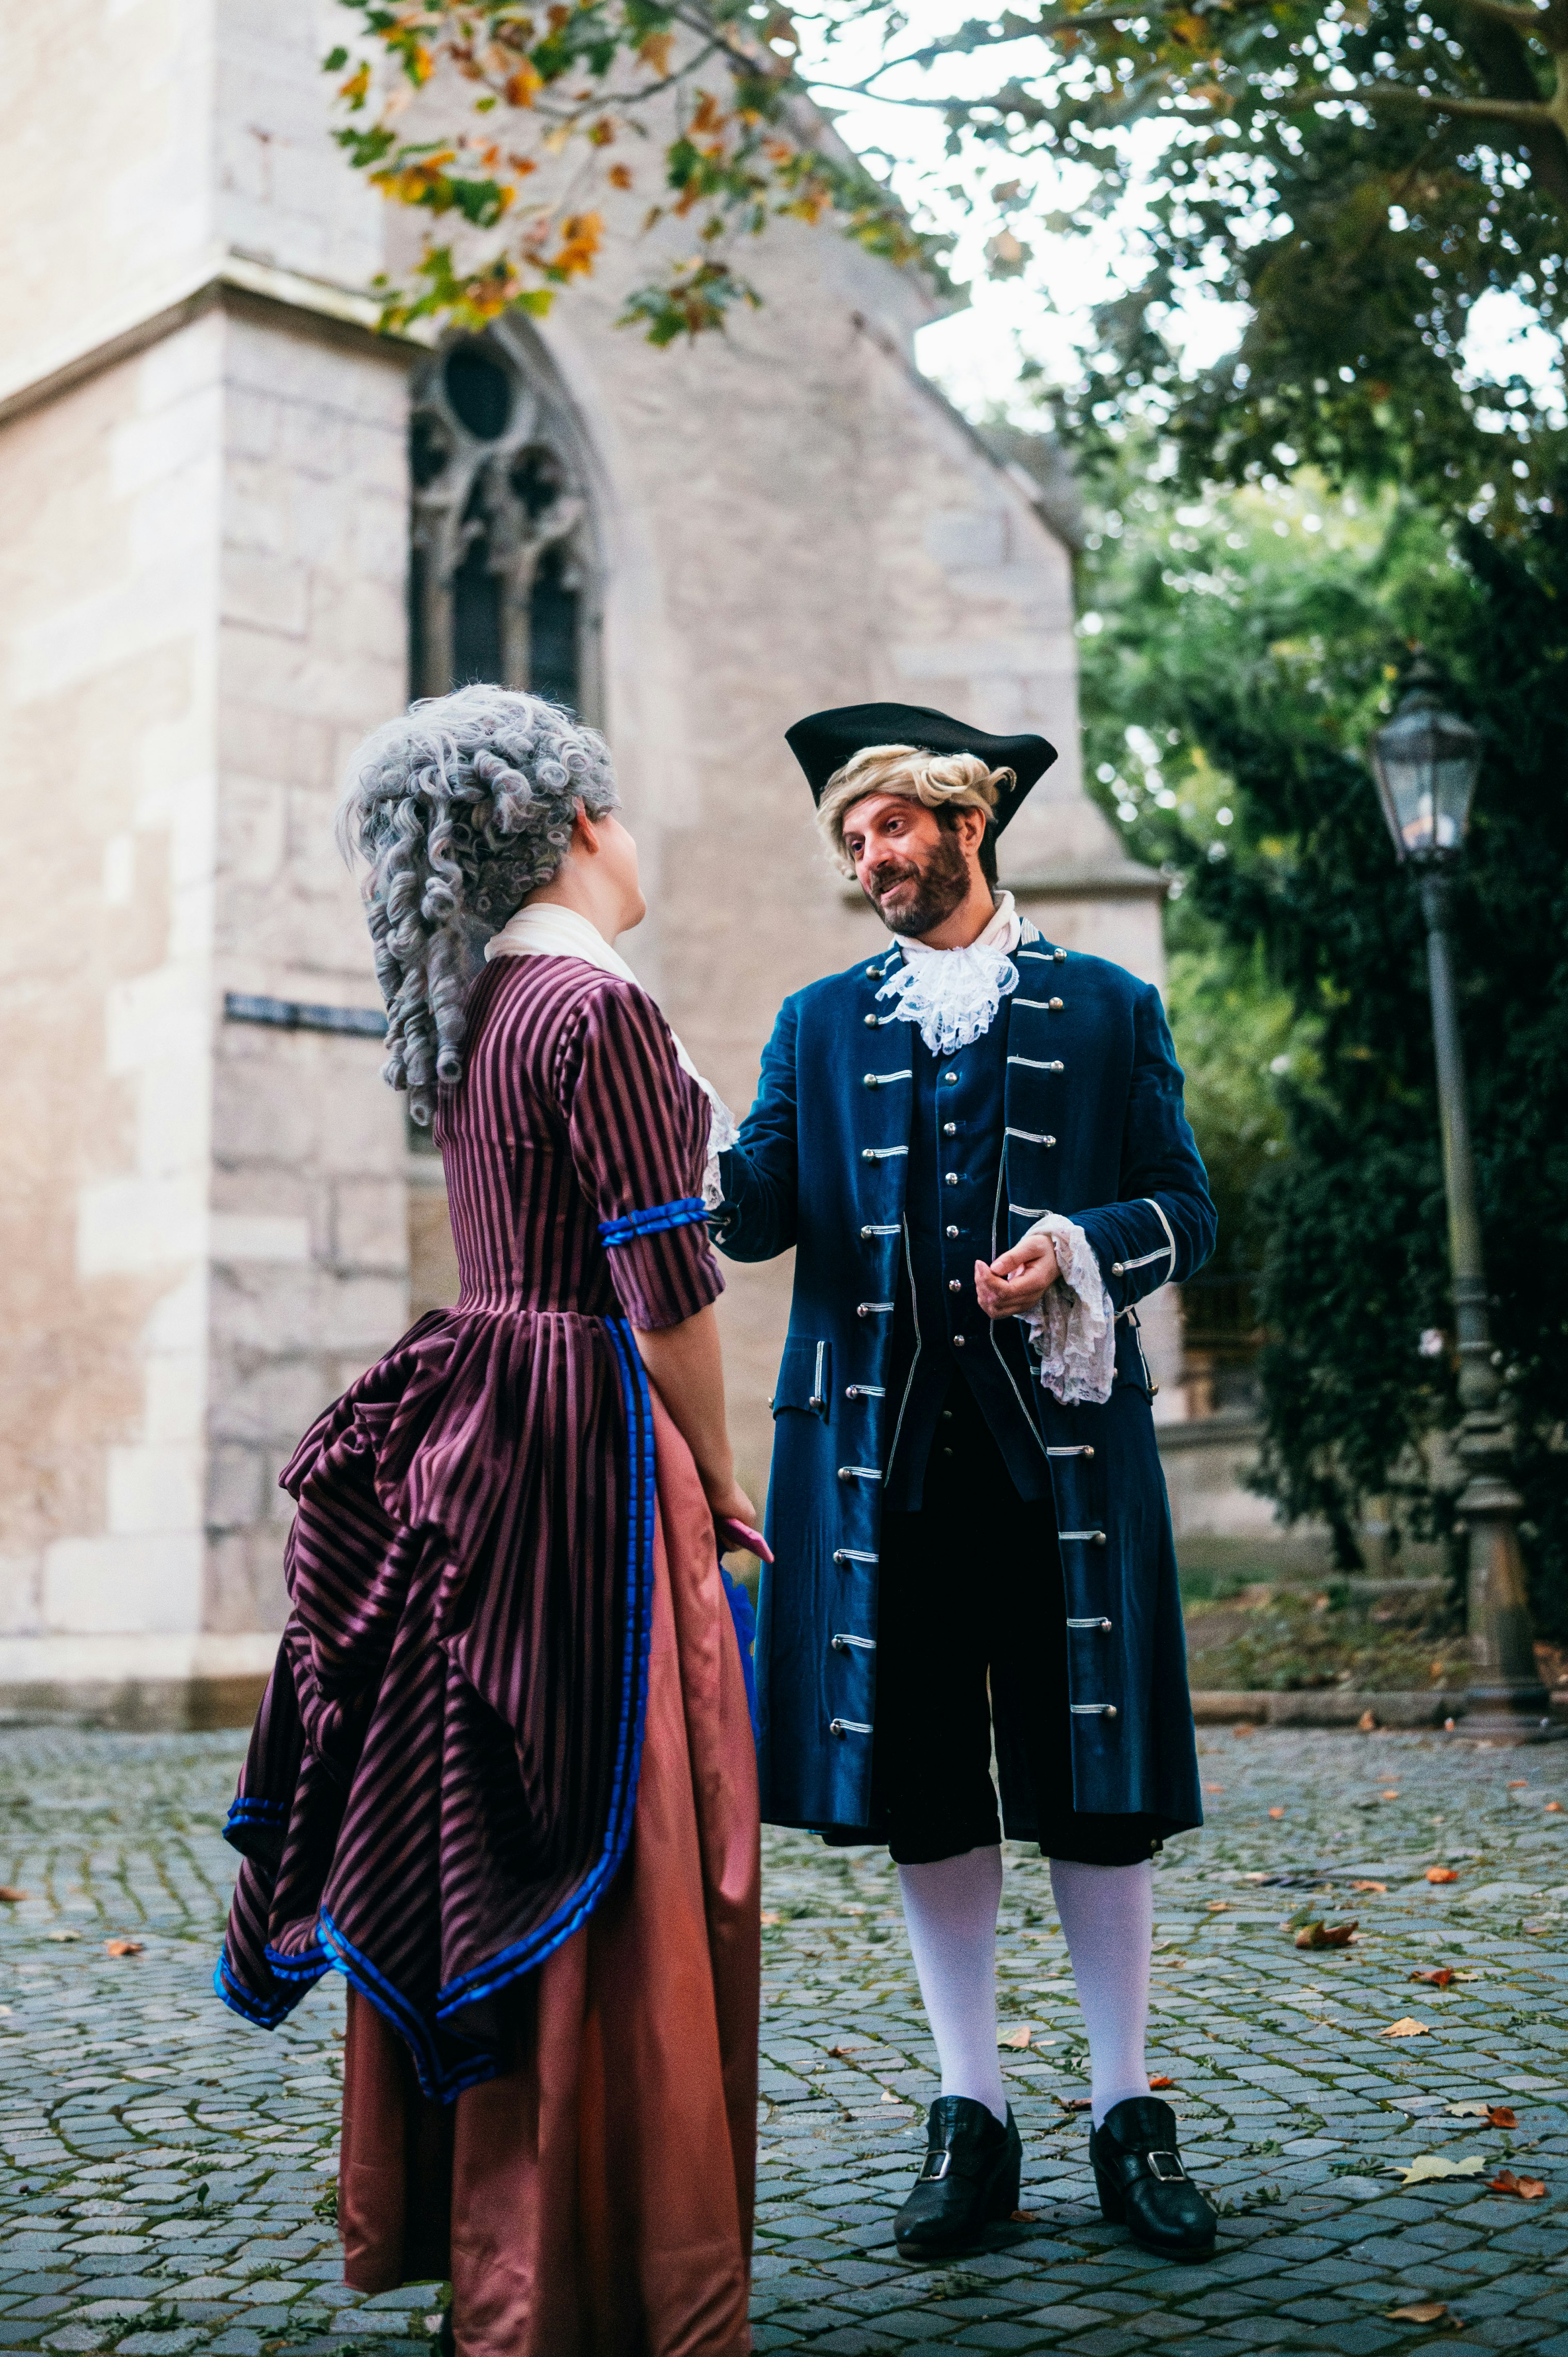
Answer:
(547, 928)
(954, 994)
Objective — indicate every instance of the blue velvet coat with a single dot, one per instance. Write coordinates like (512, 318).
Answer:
(1094, 1128)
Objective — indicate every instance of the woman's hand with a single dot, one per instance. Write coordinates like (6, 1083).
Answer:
(1019, 1281)
(730, 1503)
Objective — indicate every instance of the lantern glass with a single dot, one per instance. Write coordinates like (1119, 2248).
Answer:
(1427, 761)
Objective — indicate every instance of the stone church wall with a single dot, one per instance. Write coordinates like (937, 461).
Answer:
(213, 1224)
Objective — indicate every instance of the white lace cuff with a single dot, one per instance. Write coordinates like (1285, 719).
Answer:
(723, 1131)
(1073, 1329)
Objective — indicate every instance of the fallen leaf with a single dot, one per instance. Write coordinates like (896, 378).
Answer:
(1555, 1808)
(123, 1947)
(1389, 1796)
(62, 1935)
(771, 1918)
(1076, 2103)
(889, 2095)
(1367, 1723)
(1026, 2217)
(840, 2052)
(1325, 1935)
(1406, 2027)
(1442, 1874)
(1499, 2116)
(1245, 1727)
(1276, 1813)
(1518, 1783)
(1218, 1906)
(1420, 2312)
(1437, 1976)
(1428, 2166)
(1014, 2038)
(1528, 2189)
(1214, 1788)
(1381, 1887)
(10, 1898)
(1160, 2079)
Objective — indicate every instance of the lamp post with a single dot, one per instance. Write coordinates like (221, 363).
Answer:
(1425, 762)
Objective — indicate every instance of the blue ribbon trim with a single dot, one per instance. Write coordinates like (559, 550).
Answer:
(526, 1956)
(337, 1953)
(246, 1810)
(307, 1964)
(682, 1214)
(743, 1613)
(265, 2014)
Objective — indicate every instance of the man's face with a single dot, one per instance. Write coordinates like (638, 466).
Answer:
(914, 871)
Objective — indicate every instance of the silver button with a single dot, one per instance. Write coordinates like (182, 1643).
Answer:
(871, 1022)
(869, 1081)
(1109, 1710)
(1060, 956)
(954, 1284)
(950, 1129)
(958, 1341)
(953, 1231)
(952, 1178)
(1099, 1538)
(865, 1231)
(871, 968)
(1117, 1268)
(863, 1308)
(1054, 1004)
(951, 1079)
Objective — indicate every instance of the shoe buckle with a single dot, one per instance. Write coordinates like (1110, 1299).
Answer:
(937, 2167)
(1174, 2175)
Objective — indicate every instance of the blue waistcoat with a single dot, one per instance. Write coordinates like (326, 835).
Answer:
(1091, 1124)
(939, 1327)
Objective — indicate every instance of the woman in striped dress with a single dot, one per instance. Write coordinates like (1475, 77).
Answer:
(503, 1779)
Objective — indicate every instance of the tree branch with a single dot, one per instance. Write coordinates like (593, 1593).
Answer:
(1539, 23)
(1532, 115)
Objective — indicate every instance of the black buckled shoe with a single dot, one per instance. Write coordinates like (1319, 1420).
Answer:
(970, 2181)
(1143, 2184)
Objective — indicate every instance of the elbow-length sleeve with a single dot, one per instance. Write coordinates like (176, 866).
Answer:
(637, 1129)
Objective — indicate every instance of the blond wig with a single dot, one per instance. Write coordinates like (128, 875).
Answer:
(943, 781)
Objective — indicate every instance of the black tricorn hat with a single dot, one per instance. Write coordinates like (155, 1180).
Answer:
(824, 741)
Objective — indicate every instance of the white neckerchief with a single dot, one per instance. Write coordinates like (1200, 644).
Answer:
(548, 928)
(954, 994)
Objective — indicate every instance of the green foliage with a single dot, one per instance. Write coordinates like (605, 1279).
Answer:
(1261, 676)
(1355, 174)
(520, 122)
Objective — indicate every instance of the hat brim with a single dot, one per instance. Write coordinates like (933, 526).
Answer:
(824, 741)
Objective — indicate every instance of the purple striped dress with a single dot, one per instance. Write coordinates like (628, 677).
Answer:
(442, 1779)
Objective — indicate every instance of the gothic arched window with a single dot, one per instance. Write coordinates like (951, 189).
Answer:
(502, 575)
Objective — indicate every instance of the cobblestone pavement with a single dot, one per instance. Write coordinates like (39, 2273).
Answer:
(165, 2171)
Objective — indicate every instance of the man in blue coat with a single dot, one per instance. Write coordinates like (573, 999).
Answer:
(976, 1144)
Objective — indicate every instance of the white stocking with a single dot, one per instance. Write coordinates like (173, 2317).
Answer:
(950, 1911)
(1108, 1914)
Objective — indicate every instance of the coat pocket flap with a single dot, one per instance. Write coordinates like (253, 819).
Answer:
(803, 1373)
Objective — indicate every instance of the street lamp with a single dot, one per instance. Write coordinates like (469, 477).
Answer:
(1425, 762)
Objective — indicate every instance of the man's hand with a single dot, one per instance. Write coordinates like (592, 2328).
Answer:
(1019, 1281)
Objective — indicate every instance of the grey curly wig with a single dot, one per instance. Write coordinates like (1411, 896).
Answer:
(461, 808)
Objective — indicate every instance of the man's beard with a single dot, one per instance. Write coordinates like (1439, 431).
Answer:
(942, 885)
